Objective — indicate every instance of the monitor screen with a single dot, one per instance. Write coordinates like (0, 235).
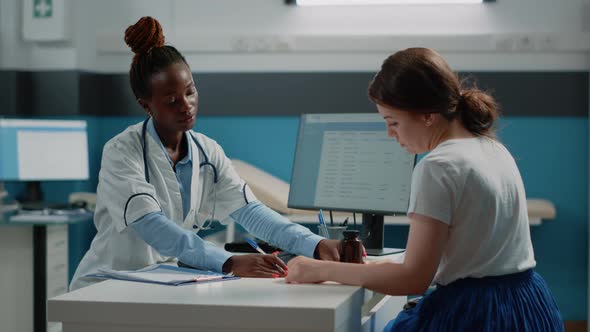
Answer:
(35, 150)
(346, 162)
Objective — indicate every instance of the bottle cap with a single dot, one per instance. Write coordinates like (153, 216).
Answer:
(350, 234)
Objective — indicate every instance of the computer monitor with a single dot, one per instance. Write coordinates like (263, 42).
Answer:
(346, 162)
(39, 150)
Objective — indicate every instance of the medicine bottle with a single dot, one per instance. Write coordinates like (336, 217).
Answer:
(351, 248)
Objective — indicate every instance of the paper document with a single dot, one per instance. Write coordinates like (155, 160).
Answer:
(162, 274)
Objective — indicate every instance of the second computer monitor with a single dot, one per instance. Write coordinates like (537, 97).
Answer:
(37, 150)
(40, 150)
(346, 162)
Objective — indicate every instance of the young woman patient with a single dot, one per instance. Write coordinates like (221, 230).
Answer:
(469, 229)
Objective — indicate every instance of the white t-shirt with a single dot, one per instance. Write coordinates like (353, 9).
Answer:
(474, 186)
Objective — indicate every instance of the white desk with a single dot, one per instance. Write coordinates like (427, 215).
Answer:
(34, 267)
(538, 210)
(238, 305)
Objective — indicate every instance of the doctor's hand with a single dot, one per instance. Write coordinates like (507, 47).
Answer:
(328, 250)
(255, 266)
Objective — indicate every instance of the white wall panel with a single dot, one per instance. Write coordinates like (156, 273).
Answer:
(267, 35)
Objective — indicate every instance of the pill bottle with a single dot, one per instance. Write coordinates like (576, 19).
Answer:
(351, 248)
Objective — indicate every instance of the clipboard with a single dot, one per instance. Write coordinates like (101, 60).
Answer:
(163, 275)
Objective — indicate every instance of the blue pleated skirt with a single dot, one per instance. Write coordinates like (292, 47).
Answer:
(514, 302)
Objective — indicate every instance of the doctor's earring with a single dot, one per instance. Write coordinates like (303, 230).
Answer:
(145, 106)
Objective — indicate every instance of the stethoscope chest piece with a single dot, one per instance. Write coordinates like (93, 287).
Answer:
(197, 225)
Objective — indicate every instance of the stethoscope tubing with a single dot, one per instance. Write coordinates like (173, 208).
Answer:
(206, 161)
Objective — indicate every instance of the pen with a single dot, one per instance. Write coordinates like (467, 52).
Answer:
(254, 245)
(323, 226)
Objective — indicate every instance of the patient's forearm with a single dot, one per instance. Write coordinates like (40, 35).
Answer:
(387, 278)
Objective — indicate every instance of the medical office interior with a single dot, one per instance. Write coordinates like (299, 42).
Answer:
(259, 65)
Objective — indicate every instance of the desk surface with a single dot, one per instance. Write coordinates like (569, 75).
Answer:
(538, 210)
(254, 303)
(44, 219)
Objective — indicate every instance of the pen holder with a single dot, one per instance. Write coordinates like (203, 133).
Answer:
(336, 232)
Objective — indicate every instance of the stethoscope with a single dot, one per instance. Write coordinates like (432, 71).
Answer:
(207, 224)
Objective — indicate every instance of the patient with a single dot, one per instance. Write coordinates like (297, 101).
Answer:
(469, 230)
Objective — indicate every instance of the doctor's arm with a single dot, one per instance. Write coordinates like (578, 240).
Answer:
(268, 225)
(426, 243)
(260, 220)
(169, 239)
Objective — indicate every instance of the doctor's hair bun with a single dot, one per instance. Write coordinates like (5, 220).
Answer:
(146, 40)
(144, 35)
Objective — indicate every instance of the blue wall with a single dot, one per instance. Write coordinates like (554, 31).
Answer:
(552, 154)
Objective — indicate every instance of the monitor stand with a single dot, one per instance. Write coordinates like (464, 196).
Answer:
(3, 192)
(33, 196)
(372, 235)
(7, 203)
(3, 195)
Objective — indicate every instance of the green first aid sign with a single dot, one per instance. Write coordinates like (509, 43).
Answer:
(42, 8)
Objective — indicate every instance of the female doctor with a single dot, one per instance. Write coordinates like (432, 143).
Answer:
(160, 182)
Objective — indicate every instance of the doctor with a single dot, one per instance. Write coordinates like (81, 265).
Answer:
(160, 182)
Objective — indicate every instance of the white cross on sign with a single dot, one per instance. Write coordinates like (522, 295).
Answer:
(42, 8)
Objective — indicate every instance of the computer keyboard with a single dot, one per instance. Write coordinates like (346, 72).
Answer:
(244, 247)
(286, 256)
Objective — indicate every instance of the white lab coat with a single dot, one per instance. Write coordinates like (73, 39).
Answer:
(124, 195)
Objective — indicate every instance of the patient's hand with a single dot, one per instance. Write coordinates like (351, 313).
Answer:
(304, 270)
